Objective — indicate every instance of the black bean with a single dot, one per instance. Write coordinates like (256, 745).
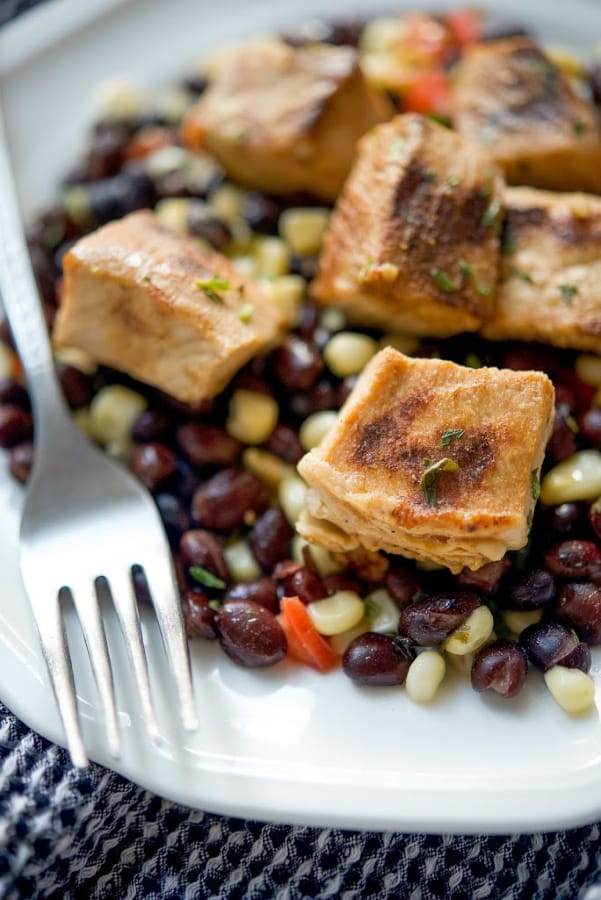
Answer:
(195, 83)
(105, 153)
(250, 634)
(270, 538)
(575, 559)
(184, 481)
(261, 212)
(595, 82)
(21, 461)
(77, 386)
(432, 620)
(13, 393)
(16, 425)
(113, 198)
(260, 590)
(202, 223)
(308, 320)
(199, 547)
(562, 442)
(594, 516)
(174, 515)
(299, 581)
(486, 578)
(285, 443)
(153, 464)
(341, 582)
(199, 617)
(565, 519)
(297, 364)
(402, 584)
(590, 426)
(207, 445)
(45, 273)
(303, 265)
(223, 502)
(534, 590)
(500, 667)
(151, 425)
(377, 659)
(341, 32)
(579, 605)
(550, 643)
(323, 395)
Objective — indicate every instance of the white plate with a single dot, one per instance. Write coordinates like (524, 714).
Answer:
(282, 744)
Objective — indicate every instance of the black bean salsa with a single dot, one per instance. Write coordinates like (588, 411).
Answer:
(225, 483)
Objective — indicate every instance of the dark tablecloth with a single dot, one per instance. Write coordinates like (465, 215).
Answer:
(68, 833)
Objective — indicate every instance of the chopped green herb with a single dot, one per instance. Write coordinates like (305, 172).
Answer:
(454, 180)
(215, 605)
(510, 245)
(572, 424)
(473, 361)
(567, 292)
(429, 480)
(211, 287)
(529, 519)
(245, 312)
(523, 276)
(206, 578)
(465, 267)
(535, 484)
(449, 435)
(397, 147)
(490, 219)
(443, 281)
(482, 289)
(578, 127)
(372, 609)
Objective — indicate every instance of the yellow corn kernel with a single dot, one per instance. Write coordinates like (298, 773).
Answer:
(315, 427)
(303, 229)
(567, 61)
(572, 689)
(323, 559)
(404, 343)
(425, 676)
(337, 613)
(272, 258)
(246, 265)
(8, 362)
(226, 203)
(575, 478)
(240, 562)
(286, 293)
(473, 634)
(266, 466)
(382, 612)
(588, 369)
(332, 319)
(252, 416)
(113, 412)
(119, 100)
(348, 352)
(173, 213)
(292, 494)
(516, 620)
(79, 359)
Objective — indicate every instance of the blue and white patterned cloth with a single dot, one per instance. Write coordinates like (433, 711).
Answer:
(66, 833)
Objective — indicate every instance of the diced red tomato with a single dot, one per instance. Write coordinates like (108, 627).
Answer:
(430, 93)
(464, 26)
(305, 643)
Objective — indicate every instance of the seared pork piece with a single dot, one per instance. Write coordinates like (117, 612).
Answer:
(284, 120)
(550, 286)
(432, 461)
(509, 96)
(413, 241)
(155, 304)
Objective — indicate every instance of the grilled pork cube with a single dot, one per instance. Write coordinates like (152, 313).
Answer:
(432, 461)
(158, 306)
(413, 241)
(550, 286)
(283, 120)
(513, 99)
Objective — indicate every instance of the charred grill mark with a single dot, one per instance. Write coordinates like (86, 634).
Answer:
(565, 228)
(381, 442)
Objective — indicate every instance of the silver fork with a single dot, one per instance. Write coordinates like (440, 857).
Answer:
(86, 524)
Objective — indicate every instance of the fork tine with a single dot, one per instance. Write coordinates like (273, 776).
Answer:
(86, 603)
(49, 622)
(124, 599)
(163, 591)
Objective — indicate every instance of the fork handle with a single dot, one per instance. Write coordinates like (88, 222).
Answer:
(20, 298)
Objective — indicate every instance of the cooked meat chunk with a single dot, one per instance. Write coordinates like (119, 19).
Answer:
(413, 241)
(283, 120)
(158, 306)
(430, 460)
(510, 97)
(550, 288)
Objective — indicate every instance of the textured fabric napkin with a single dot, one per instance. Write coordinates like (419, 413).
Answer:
(91, 834)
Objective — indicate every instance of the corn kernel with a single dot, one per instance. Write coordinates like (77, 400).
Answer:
(246, 265)
(303, 229)
(241, 564)
(332, 319)
(173, 213)
(567, 61)
(348, 352)
(337, 613)
(119, 100)
(315, 427)
(271, 257)
(287, 294)
(572, 689)
(252, 416)
(588, 369)
(323, 559)
(266, 466)
(517, 620)
(226, 203)
(575, 478)
(113, 412)
(79, 359)
(473, 634)
(8, 362)
(382, 612)
(292, 494)
(425, 676)
(404, 343)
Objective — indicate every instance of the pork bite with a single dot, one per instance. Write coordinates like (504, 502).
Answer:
(157, 305)
(510, 97)
(285, 120)
(413, 243)
(432, 461)
(550, 287)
